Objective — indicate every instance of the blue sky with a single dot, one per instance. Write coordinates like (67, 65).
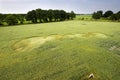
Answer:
(78, 6)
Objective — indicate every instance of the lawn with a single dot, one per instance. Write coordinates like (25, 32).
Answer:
(69, 50)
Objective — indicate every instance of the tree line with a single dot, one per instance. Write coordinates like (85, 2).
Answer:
(110, 15)
(37, 16)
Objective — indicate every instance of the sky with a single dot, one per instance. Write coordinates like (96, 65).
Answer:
(78, 6)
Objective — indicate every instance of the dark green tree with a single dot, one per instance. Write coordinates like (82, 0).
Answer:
(39, 14)
(62, 15)
(100, 12)
(1, 19)
(113, 17)
(68, 16)
(108, 14)
(45, 15)
(21, 18)
(11, 19)
(56, 15)
(50, 15)
(31, 16)
(96, 15)
(118, 15)
(72, 15)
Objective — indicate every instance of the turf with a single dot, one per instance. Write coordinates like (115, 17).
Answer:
(69, 50)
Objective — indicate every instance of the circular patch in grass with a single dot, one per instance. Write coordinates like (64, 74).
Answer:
(30, 43)
(35, 42)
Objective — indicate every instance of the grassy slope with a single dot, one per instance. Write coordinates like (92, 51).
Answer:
(62, 59)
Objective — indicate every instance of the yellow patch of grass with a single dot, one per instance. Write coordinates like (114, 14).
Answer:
(31, 43)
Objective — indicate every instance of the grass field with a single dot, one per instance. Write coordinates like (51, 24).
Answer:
(69, 50)
(87, 17)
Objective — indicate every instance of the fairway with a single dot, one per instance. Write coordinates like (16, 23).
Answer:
(68, 50)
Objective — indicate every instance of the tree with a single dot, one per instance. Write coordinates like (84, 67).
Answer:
(20, 17)
(108, 14)
(96, 15)
(68, 16)
(62, 15)
(118, 15)
(11, 19)
(1, 19)
(72, 15)
(100, 12)
(56, 15)
(39, 14)
(31, 15)
(50, 15)
(45, 15)
(113, 17)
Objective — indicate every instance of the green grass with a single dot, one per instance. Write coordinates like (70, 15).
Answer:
(87, 17)
(62, 58)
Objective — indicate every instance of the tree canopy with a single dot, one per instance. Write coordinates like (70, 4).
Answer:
(96, 15)
(107, 15)
(11, 19)
(48, 15)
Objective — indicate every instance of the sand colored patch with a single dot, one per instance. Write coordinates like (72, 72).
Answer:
(35, 42)
(31, 43)
(100, 35)
(91, 34)
(87, 35)
(74, 36)
(59, 36)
